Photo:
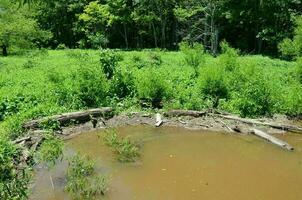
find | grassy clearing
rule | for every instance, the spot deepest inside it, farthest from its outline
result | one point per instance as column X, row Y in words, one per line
column 41, row 83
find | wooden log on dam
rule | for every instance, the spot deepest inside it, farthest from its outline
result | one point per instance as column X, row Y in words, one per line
column 283, row 127
column 179, row 113
column 272, row 139
column 65, row 118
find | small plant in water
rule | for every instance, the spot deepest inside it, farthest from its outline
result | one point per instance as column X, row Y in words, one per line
column 51, row 150
column 124, row 148
column 82, row 181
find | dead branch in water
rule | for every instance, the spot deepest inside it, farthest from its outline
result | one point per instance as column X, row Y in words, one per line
column 81, row 116
column 272, row 139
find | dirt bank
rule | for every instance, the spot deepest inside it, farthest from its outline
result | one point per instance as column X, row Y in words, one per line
column 206, row 122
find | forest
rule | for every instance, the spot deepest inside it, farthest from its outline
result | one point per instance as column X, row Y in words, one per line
column 242, row 57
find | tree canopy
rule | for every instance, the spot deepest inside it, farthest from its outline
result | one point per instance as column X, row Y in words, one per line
column 251, row 26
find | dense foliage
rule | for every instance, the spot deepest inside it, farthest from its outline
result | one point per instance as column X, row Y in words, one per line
column 251, row 26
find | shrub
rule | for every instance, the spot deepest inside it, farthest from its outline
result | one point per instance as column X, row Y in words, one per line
column 255, row 98
column 291, row 48
column 125, row 150
column 122, row 84
column 138, row 62
column 30, row 63
column 109, row 60
column 293, row 101
column 193, row 54
column 90, row 86
column 229, row 57
column 152, row 86
column 155, row 59
column 299, row 70
column 82, row 182
column 212, row 85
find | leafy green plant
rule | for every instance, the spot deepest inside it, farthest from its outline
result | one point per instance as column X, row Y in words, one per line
column 212, row 85
column 292, row 48
column 193, row 55
column 82, row 181
column 109, row 60
column 229, row 57
column 122, row 83
column 13, row 181
column 125, row 150
column 90, row 86
column 30, row 63
column 50, row 150
column 152, row 86
column 50, row 124
column 155, row 59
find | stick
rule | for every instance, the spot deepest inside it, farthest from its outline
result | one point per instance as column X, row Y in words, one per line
column 158, row 120
column 225, row 125
column 52, row 185
column 272, row 139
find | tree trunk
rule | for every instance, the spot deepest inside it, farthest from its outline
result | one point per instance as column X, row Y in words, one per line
column 126, row 35
column 154, row 35
column 4, row 50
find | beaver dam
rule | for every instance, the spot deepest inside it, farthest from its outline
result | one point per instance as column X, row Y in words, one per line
column 178, row 163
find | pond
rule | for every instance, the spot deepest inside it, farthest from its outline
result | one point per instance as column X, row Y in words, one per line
column 178, row 164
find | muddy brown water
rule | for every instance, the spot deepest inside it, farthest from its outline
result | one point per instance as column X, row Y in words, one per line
column 179, row 164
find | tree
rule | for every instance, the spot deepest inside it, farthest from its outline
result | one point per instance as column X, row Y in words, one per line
column 17, row 28
column 200, row 22
column 94, row 22
column 290, row 48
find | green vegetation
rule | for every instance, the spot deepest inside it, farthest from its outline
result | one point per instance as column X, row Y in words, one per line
column 82, row 180
column 13, row 179
column 50, row 150
column 48, row 66
column 125, row 150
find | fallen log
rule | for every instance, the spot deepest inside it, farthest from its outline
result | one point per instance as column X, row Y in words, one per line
column 272, row 139
column 158, row 120
column 66, row 118
column 178, row 113
column 255, row 122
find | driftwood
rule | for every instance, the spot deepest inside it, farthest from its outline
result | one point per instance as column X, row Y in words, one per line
column 82, row 116
column 255, row 122
column 226, row 126
column 272, row 139
column 192, row 113
column 158, row 120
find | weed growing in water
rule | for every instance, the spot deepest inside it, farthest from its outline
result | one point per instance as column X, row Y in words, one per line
column 124, row 148
column 50, row 150
column 82, row 182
